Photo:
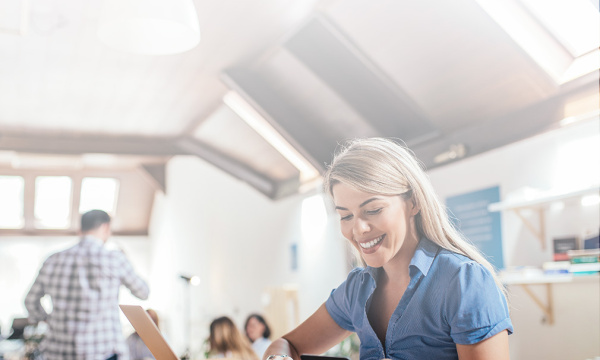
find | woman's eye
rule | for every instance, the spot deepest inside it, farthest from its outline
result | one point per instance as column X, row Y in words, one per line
column 347, row 217
column 374, row 212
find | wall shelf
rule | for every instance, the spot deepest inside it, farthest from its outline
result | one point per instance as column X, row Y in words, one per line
column 539, row 205
column 547, row 306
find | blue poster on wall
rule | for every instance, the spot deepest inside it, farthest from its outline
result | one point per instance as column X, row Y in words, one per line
column 483, row 228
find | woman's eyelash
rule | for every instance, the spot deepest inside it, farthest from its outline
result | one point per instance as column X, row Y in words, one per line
column 370, row 212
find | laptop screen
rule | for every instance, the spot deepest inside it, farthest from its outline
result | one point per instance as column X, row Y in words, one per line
column 148, row 332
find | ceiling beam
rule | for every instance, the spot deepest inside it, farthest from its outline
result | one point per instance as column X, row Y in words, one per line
column 230, row 165
column 315, row 146
column 331, row 55
column 501, row 131
column 117, row 145
column 85, row 144
column 156, row 174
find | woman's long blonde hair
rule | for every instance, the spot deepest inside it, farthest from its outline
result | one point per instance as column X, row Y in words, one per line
column 382, row 166
column 226, row 338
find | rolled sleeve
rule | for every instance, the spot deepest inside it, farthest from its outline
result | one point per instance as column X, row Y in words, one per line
column 476, row 308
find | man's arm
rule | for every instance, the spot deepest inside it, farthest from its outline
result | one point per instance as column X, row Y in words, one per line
column 32, row 300
column 138, row 287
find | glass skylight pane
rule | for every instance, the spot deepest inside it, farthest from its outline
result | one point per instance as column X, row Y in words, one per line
column 575, row 23
column 99, row 193
column 11, row 202
column 52, row 207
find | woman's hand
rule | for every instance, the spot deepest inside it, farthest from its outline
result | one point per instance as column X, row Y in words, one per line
column 281, row 348
column 316, row 335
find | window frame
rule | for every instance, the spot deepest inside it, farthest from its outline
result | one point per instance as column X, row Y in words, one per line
column 29, row 176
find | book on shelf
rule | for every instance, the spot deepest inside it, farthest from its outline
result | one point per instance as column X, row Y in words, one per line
column 556, row 267
column 584, row 268
column 562, row 246
column 584, row 252
column 583, row 257
column 591, row 242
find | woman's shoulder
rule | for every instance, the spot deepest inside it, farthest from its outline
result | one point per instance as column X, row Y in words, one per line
column 262, row 340
column 451, row 263
column 360, row 275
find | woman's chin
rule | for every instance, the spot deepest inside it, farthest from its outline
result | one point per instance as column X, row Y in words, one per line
column 374, row 261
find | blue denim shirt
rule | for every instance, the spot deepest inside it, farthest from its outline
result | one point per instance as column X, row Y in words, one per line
column 450, row 300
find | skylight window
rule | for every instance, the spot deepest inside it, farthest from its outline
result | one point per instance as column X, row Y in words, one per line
column 11, row 202
column 574, row 23
column 52, row 207
column 562, row 36
column 99, row 193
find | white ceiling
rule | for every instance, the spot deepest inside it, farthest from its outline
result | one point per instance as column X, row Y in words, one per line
column 454, row 71
column 60, row 77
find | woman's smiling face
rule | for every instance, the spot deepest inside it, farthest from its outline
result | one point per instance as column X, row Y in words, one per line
column 377, row 225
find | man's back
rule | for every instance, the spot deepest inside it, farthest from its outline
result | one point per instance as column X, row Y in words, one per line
column 83, row 283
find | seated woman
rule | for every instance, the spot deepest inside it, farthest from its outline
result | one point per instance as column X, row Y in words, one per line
column 226, row 341
column 424, row 291
column 258, row 332
column 137, row 349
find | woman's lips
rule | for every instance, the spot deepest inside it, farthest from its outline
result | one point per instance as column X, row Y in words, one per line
column 369, row 247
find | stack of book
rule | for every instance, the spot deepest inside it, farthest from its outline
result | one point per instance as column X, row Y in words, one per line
column 584, row 262
column 556, row 267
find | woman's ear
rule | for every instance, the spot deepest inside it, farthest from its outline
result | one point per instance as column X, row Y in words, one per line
column 414, row 210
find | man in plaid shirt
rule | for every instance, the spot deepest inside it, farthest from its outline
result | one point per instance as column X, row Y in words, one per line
column 83, row 283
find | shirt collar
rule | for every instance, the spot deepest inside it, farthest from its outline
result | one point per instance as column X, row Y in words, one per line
column 424, row 255
column 92, row 240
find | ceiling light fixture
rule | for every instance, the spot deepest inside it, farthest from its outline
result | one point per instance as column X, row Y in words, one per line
column 456, row 151
column 257, row 122
column 149, row 27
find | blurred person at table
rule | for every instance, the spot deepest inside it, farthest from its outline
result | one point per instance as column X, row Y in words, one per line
column 258, row 332
column 424, row 291
column 226, row 341
column 83, row 283
column 137, row 349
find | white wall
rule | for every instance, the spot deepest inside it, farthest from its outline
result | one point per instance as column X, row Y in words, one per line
column 238, row 241
column 567, row 158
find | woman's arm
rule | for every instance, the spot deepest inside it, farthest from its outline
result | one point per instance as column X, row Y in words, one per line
column 314, row 336
column 494, row 348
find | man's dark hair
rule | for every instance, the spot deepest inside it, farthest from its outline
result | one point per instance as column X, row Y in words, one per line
column 92, row 220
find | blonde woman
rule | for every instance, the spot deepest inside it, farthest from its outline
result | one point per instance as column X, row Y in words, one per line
column 424, row 292
column 226, row 341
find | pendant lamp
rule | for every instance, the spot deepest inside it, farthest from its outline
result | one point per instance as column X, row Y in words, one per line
column 149, row 27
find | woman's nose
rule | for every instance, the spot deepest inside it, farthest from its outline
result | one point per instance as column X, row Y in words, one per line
column 361, row 226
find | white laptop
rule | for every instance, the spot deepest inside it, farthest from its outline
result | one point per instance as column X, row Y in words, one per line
column 148, row 332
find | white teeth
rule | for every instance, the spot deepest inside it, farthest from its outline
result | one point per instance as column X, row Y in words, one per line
column 371, row 243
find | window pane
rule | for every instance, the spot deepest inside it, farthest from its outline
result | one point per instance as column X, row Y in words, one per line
column 11, row 202
column 52, row 202
column 99, row 193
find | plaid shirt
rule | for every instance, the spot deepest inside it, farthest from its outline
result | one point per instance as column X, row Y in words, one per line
column 83, row 283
